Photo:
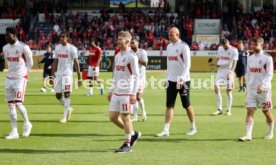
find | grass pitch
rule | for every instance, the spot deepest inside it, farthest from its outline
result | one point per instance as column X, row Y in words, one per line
column 89, row 138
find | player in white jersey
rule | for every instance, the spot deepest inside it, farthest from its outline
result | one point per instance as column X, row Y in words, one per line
column 20, row 61
column 259, row 77
column 143, row 61
column 226, row 62
column 123, row 91
column 65, row 57
column 178, row 81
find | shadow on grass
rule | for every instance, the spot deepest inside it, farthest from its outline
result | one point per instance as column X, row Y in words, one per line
column 56, row 121
column 73, row 135
column 47, row 151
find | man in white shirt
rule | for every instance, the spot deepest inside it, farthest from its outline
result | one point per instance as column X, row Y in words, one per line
column 178, row 81
column 65, row 57
column 227, row 61
column 124, row 90
column 19, row 58
column 259, row 77
column 143, row 61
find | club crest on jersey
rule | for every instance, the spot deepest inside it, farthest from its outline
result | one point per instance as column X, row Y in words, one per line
column 260, row 62
column 176, row 50
column 16, row 52
column 124, row 60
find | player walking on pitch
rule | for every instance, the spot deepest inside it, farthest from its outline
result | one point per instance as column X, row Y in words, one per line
column 227, row 61
column 259, row 77
column 64, row 57
column 123, row 91
column 178, row 81
column 20, row 61
column 143, row 61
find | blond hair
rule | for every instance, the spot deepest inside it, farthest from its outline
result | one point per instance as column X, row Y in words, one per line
column 258, row 39
column 125, row 35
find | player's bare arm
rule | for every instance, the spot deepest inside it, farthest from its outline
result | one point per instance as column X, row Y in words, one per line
column 77, row 67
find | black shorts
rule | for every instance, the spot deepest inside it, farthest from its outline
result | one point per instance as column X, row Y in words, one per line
column 172, row 94
column 240, row 71
column 47, row 72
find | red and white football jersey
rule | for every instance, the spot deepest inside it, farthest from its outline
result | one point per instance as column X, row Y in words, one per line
column 142, row 55
column 20, row 59
column 259, row 71
column 95, row 54
column 178, row 61
column 125, row 74
column 65, row 55
column 226, row 57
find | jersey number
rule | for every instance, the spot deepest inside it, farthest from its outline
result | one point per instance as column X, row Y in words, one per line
column 125, row 107
column 18, row 95
column 266, row 105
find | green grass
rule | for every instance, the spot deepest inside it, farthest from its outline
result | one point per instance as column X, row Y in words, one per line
column 89, row 138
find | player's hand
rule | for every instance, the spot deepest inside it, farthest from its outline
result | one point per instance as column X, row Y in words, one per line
column 260, row 89
column 109, row 96
column 132, row 99
column 79, row 82
column 51, row 80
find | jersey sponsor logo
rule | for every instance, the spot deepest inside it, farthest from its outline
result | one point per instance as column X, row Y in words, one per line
column 225, row 58
column 172, row 58
column 120, row 68
column 13, row 59
column 62, row 55
column 255, row 70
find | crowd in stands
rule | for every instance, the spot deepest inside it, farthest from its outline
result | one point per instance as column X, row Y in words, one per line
column 148, row 26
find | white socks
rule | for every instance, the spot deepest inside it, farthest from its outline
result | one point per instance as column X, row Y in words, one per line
column 219, row 101
column 135, row 110
column 13, row 116
column 142, row 105
column 61, row 101
column 229, row 101
column 249, row 128
column 23, row 112
column 67, row 103
column 167, row 127
column 128, row 138
column 192, row 125
column 270, row 128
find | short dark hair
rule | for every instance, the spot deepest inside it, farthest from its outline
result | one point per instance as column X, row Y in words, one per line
column 224, row 41
column 64, row 33
column 11, row 30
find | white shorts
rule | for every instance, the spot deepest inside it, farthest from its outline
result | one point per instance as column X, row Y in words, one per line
column 63, row 84
column 119, row 104
column 15, row 89
column 93, row 71
column 221, row 78
column 253, row 99
column 141, row 86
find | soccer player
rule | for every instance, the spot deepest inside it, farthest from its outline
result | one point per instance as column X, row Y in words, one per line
column 65, row 57
column 241, row 66
column 227, row 61
column 143, row 61
column 259, row 77
column 95, row 54
column 123, row 91
column 47, row 71
column 20, row 61
column 178, row 81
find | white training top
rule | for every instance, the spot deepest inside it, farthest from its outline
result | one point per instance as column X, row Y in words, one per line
column 20, row 59
column 259, row 71
column 178, row 61
column 226, row 57
column 126, row 73
column 142, row 55
column 65, row 55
